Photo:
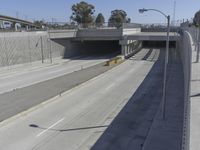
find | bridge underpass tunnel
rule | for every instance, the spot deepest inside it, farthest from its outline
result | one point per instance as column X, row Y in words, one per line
column 92, row 48
column 158, row 44
column 130, row 47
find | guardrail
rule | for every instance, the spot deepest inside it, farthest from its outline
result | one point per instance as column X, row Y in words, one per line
column 67, row 26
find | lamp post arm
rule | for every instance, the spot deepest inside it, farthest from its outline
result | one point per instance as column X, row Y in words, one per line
column 159, row 12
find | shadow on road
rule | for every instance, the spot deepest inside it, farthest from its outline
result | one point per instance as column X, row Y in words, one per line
column 131, row 127
column 65, row 130
column 148, row 54
column 195, row 95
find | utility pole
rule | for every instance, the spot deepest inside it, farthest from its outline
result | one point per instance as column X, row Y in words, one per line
column 166, row 59
column 17, row 14
column 174, row 14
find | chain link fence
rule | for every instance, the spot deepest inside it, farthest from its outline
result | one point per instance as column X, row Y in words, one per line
column 27, row 47
column 195, row 33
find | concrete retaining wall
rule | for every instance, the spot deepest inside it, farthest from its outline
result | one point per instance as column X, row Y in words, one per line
column 194, row 32
column 185, row 46
column 25, row 47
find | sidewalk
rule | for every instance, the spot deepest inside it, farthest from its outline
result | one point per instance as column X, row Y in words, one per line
column 21, row 68
column 195, row 104
column 167, row 134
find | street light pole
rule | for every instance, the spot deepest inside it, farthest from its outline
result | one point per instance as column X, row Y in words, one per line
column 166, row 58
column 165, row 69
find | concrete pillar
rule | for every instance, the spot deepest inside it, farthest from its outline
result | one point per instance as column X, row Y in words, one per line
column 27, row 27
column 131, row 47
column 126, row 50
column 14, row 26
column 123, row 50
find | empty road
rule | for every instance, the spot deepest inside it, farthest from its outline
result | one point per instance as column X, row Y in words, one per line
column 21, row 79
column 81, row 119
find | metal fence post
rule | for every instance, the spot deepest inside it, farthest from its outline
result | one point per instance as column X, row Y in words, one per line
column 198, row 46
column 50, row 50
column 29, row 46
column 42, row 50
column 6, row 50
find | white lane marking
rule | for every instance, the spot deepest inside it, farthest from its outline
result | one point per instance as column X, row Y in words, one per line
column 53, row 125
column 110, row 86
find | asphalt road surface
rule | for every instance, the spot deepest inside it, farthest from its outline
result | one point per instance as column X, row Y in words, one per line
column 22, row 79
column 114, row 111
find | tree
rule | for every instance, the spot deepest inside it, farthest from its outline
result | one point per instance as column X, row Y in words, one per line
column 100, row 20
column 117, row 18
column 40, row 23
column 196, row 20
column 82, row 13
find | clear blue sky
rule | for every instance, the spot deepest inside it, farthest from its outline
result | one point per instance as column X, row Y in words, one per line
column 61, row 9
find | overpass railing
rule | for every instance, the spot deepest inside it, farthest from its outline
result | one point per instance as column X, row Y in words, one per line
column 70, row 25
column 159, row 27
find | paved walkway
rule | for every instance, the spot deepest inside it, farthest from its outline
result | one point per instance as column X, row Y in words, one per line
column 195, row 104
column 20, row 68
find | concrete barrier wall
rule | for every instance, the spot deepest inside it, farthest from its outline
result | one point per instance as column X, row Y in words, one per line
column 57, row 34
column 131, row 31
column 99, row 33
column 25, row 47
column 194, row 32
column 185, row 47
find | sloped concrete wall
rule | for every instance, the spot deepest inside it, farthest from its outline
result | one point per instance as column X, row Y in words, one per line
column 185, row 47
column 25, row 47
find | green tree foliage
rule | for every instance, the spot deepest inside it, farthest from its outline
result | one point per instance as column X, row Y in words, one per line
column 196, row 20
column 100, row 20
column 82, row 13
column 39, row 23
column 117, row 18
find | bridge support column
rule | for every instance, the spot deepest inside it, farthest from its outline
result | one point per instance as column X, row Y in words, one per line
column 27, row 27
column 128, row 47
column 123, row 50
column 126, row 50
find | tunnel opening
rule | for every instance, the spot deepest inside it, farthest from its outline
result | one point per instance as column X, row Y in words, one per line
column 100, row 47
column 158, row 44
column 92, row 48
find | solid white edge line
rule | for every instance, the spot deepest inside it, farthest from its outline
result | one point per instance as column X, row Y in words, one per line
column 53, row 125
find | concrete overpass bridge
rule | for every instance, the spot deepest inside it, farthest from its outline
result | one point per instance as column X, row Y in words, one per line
column 128, row 40
column 15, row 21
column 127, row 75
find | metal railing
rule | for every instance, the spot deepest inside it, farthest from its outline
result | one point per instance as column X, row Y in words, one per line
column 70, row 25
